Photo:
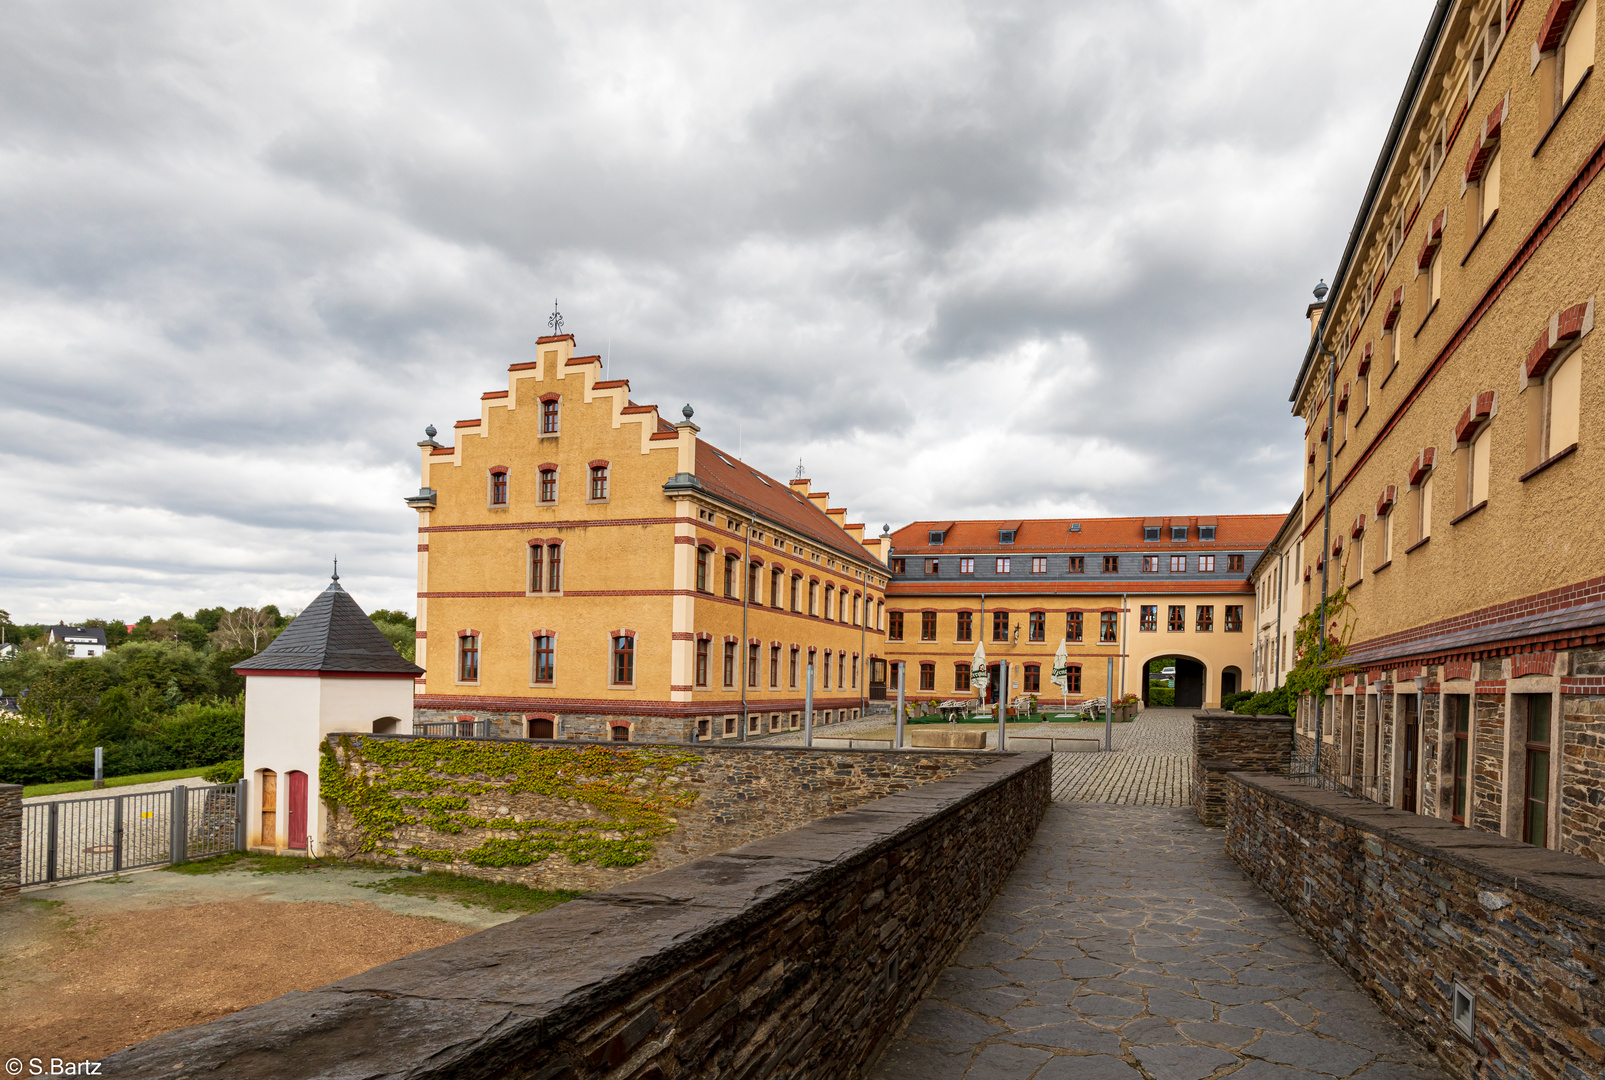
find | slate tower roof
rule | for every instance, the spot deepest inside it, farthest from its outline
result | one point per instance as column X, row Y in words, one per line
column 333, row 635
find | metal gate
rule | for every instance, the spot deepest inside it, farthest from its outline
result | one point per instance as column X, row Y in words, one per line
column 76, row 838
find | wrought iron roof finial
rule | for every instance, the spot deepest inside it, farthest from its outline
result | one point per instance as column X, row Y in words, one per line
column 336, row 576
column 555, row 322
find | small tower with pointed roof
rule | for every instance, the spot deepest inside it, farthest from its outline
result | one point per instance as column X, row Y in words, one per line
column 330, row 670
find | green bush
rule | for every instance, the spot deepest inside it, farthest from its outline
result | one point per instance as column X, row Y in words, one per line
column 1162, row 695
column 229, row 772
column 1231, row 701
column 1277, row 702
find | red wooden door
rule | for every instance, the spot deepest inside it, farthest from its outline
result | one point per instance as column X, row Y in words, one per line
column 298, row 810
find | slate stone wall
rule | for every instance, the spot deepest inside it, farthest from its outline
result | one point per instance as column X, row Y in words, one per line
column 10, row 842
column 1410, row 905
column 743, row 794
column 793, row 957
column 1582, row 793
column 1225, row 742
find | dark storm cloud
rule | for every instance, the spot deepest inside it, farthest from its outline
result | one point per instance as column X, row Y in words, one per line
column 960, row 259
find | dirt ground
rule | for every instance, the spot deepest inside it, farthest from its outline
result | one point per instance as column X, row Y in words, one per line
column 93, row 968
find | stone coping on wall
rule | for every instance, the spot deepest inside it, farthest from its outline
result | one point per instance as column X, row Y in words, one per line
column 1247, row 718
column 481, row 1005
column 1570, row 881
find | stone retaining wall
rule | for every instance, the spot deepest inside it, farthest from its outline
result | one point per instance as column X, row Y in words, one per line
column 10, row 842
column 793, row 957
column 743, row 793
column 1226, row 742
column 1411, row 906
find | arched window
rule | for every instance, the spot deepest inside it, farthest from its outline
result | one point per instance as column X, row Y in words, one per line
column 537, row 562
column 468, row 657
column 549, row 416
column 621, row 733
column 598, row 482
column 548, row 491
column 730, row 575
column 554, row 565
column 730, row 663
column 702, row 662
column 623, row 660
column 775, row 577
column 498, row 487
column 702, row 569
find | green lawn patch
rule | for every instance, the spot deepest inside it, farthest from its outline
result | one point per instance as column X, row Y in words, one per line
column 264, row 864
column 65, row 786
column 473, row 892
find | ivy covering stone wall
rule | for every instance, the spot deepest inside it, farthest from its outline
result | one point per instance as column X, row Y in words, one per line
column 588, row 815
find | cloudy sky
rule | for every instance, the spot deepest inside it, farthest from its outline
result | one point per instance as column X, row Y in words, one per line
column 960, row 259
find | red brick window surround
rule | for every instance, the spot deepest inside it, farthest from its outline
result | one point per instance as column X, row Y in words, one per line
column 549, row 404
column 468, row 656
column 498, row 486
column 599, row 481
column 1072, row 626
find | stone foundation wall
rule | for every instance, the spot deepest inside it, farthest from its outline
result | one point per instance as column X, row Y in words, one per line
column 1410, row 906
column 1225, row 742
column 794, row 957
column 10, row 842
column 742, row 794
column 598, row 727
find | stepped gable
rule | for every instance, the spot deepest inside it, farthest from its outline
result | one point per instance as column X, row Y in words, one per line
column 1096, row 534
column 735, row 481
column 332, row 636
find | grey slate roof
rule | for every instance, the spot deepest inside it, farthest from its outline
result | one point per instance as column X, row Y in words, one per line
column 333, row 635
column 80, row 635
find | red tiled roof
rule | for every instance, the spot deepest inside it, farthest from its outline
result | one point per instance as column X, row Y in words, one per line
column 734, row 481
column 1096, row 534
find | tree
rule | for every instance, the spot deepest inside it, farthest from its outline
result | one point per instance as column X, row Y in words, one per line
column 385, row 615
column 245, row 628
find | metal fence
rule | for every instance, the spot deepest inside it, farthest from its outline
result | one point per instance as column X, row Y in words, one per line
column 454, row 729
column 76, row 838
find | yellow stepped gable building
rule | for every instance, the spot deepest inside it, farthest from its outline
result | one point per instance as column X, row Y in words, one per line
column 1454, row 392
column 1145, row 592
column 587, row 569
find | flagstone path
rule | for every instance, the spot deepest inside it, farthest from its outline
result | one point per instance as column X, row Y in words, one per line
column 1127, row 946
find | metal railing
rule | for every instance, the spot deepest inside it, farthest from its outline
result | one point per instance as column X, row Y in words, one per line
column 77, row 838
column 1371, row 788
column 454, row 729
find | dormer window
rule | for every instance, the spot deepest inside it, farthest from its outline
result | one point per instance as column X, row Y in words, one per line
column 934, row 537
column 1178, row 534
column 1150, row 534
column 1005, row 536
column 1206, row 532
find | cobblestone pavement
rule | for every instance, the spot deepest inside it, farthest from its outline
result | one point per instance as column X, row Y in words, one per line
column 1127, row 946
column 1151, row 764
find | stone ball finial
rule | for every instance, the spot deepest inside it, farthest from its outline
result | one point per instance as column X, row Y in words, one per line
column 886, row 529
column 430, row 431
column 687, row 411
column 1321, row 290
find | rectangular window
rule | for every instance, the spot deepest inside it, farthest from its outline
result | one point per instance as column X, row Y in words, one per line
column 792, row 672
column 1206, row 564
column 1078, row 564
column 1178, row 564
column 730, row 663
column 1107, row 627
column 754, row 593
column 1234, row 618
column 1387, row 539
column 775, row 577
column 1576, row 54
column 702, row 569
column 1459, row 709
column 1206, row 618
column 1072, row 679
column 623, row 661
column 1206, row 532
column 752, row 664
column 933, row 566
column 1150, row 534
column 1072, row 626
column 774, row 667
column 730, row 576
column 966, row 626
column 1039, row 565
column 927, row 676
column 934, row 538
column 548, row 418
column 841, row 670
column 1234, row 564
column 1535, row 823
column 1423, row 506
column 548, row 485
column 813, row 598
column 899, row 566
column 1488, row 191
column 1562, row 404
column 1481, row 454
column 702, row 662
column 598, row 482
column 1003, row 566
column 796, row 594
column 824, row 672
column 1037, row 626
column 1148, row 618
column 927, row 626
column 544, row 667
column 894, row 626
column 1178, row 534
column 961, row 677
column 966, row 566
column 468, row 658
column 1000, row 626
column 498, row 488
column 1176, row 618
column 1032, row 683
column 536, row 551
column 554, row 568
column 1111, row 564
column 1150, row 564
column 1005, row 536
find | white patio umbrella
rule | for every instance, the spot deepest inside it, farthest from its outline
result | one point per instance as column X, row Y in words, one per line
column 1061, row 674
column 978, row 672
